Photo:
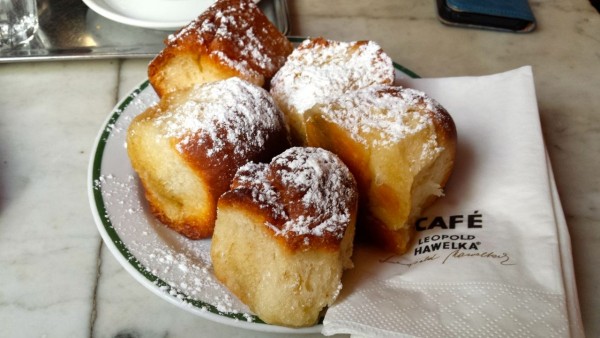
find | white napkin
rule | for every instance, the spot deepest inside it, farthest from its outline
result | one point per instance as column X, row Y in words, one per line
column 495, row 257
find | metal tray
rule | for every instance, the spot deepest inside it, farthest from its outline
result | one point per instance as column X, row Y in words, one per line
column 70, row 30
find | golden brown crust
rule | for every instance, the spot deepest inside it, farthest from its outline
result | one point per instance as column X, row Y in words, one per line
column 282, row 286
column 284, row 235
column 157, row 192
column 399, row 144
column 188, row 147
column 231, row 38
column 219, row 168
column 307, row 197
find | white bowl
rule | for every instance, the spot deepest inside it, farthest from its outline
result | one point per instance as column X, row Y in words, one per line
column 157, row 14
column 160, row 10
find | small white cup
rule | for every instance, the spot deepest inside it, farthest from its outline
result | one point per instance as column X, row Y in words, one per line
column 18, row 22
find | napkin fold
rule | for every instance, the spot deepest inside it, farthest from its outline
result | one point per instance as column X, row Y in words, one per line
column 492, row 257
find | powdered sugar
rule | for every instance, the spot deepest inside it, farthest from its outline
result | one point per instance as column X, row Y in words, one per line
column 228, row 32
column 179, row 267
column 255, row 176
column 310, row 191
column 176, row 268
column 229, row 113
column 384, row 115
column 319, row 70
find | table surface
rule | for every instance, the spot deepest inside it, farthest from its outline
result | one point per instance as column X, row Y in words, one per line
column 59, row 280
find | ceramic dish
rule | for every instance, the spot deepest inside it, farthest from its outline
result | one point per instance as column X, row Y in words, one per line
column 156, row 14
column 173, row 267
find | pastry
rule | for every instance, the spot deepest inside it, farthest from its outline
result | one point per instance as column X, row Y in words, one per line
column 231, row 38
column 319, row 70
column 187, row 148
column 400, row 145
column 284, row 234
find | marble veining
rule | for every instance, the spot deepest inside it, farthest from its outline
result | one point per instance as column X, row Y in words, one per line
column 59, row 280
column 46, row 242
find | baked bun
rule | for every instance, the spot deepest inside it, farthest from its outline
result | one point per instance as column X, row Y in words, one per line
column 187, row 148
column 319, row 70
column 399, row 144
column 231, row 38
column 284, row 235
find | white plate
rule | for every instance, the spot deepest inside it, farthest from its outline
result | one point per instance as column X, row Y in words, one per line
column 156, row 14
column 177, row 269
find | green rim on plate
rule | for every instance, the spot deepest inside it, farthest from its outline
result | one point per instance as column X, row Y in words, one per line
column 102, row 212
column 112, row 233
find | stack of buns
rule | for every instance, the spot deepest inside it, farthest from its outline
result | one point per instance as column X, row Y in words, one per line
column 280, row 179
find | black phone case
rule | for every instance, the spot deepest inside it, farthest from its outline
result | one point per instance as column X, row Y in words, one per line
column 507, row 15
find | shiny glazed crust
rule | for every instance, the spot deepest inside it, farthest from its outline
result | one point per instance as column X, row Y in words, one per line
column 274, row 248
column 231, row 38
column 186, row 158
column 399, row 144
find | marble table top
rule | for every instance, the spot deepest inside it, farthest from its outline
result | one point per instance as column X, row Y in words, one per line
column 58, row 278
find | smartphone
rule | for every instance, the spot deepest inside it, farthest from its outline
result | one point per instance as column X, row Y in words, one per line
column 509, row 15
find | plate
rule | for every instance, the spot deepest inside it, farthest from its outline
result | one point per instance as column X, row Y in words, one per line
column 156, row 14
column 173, row 267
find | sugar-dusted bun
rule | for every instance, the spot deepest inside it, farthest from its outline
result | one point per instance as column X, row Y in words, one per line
column 319, row 70
column 231, row 38
column 284, row 235
column 399, row 144
column 187, row 148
